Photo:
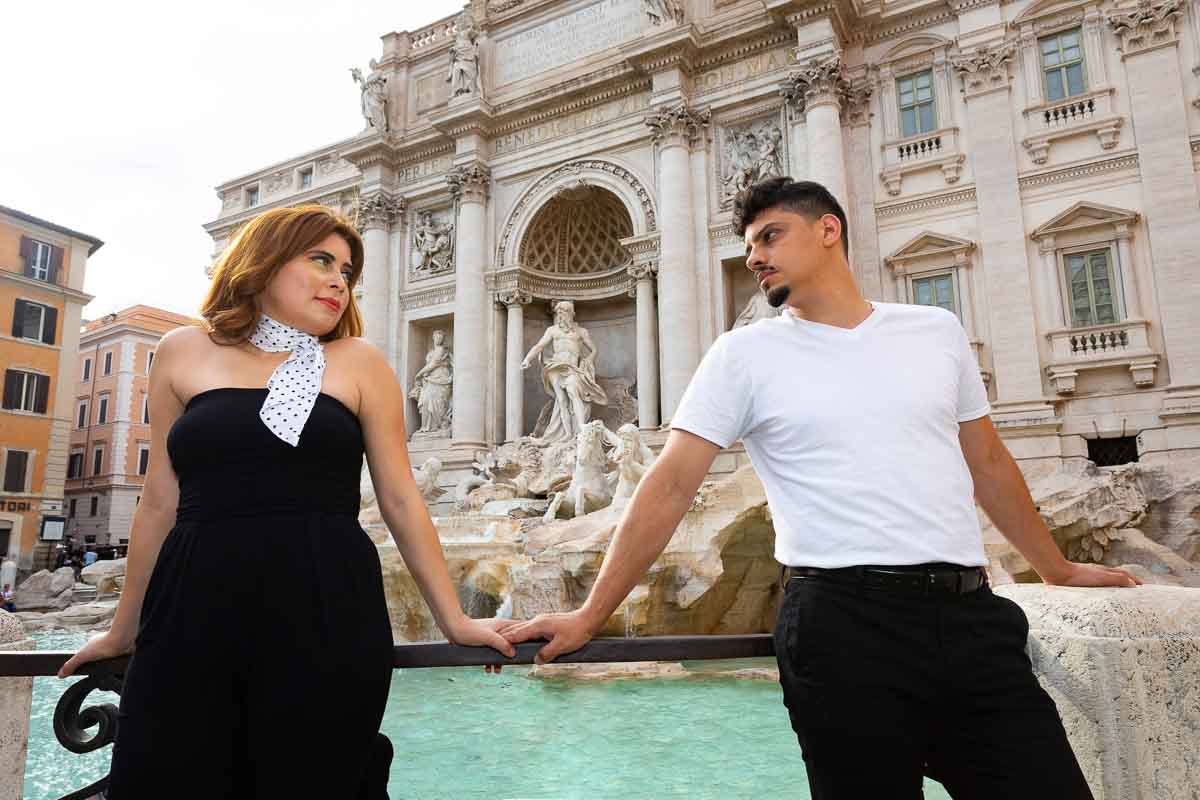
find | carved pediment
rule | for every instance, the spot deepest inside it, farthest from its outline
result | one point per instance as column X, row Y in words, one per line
column 1085, row 215
column 1050, row 8
column 930, row 246
column 915, row 45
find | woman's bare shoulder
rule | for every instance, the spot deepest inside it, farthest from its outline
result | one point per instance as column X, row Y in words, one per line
column 356, row 351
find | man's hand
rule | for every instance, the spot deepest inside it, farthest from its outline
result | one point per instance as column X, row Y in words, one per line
column 567, row 633
column 1092, row 575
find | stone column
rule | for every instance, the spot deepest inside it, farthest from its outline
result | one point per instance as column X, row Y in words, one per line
column 15, row 698
column 647, row 343
column 1053, row 312
column 1012, row 324
column 1150, row 43
column 469, row 185
column 1133, row 298
column 675, row 130
column 823, row 87
column 860, row 213
column 514, row 395
column 376, row 213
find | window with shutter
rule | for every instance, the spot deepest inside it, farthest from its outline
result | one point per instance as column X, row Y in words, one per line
column 97, row 460
column 26, row 391
column 81, row 415
column 31, row 321
column 108, row 363
column 87, row 370
column 95, row 503
column 37, row 266
column 75, row 465
column 102, row 410
column 14, row 471
column 143, row 460
column 1090, row 288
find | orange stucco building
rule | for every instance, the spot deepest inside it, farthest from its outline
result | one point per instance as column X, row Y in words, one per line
column 110, row 422
column 42, row 267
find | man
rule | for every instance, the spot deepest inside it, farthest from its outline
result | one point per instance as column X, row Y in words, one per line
column 867, row 423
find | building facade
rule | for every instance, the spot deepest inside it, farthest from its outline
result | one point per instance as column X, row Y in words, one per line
column 42, row 267
column 1031, row 166
column 110, row 423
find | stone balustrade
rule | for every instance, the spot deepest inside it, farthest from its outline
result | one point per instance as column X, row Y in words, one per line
column 1116, row 344
column 1090, row 112
column 936, row 149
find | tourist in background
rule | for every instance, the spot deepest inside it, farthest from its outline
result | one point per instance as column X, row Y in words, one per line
column 253, row 599
column 868, row 425
column 6, row 598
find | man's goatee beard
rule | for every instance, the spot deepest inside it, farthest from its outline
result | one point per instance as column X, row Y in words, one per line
column 777, row 295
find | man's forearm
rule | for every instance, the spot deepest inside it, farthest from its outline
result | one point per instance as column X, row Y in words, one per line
column 642, row 534
column 1001, row 490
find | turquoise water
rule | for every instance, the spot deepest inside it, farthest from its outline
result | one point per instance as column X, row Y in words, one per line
column 461, row 734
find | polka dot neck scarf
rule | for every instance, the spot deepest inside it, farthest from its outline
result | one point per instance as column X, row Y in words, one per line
column 295, row 384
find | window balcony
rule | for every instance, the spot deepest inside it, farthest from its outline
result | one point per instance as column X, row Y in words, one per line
column 1101, row 346
column 938, row 149
column 1090, row 112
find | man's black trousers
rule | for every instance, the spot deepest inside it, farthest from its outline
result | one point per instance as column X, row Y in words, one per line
column 885, row 685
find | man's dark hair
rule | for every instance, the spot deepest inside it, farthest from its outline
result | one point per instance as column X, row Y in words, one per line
column 801, row 197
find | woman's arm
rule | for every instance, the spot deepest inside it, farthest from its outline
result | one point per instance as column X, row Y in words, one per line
column 381, row 412
column 155, row 513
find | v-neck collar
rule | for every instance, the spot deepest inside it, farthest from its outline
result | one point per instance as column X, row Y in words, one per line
column 822, row 329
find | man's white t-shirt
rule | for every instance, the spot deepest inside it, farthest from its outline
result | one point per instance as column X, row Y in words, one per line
column 853, row 432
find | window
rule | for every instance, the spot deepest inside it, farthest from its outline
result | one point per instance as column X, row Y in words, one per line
column 95, row 504
column 87, row 370
column 1112, row 451
column 75, row 465
column 15, row 466
column 90, row 538
column 34, row 321
column 81, row 415
column 252, row 197
column 145, row 409
column 39, row 262
column 26, row 391
column 306, row 178
column 97, row 460
column 1089, row 286
column 1062, row 65
column 936, row 290
column 74, row 507
column 102, row 410
column 149, row 361
column 916, row 103
column 143, row 460
column 108, row 363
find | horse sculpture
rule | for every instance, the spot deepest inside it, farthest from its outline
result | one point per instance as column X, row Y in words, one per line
column 590, row 488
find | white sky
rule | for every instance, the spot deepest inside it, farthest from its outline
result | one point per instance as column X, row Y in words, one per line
column 120, row 117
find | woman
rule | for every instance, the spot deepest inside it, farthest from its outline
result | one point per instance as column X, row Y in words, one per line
column 263, row 647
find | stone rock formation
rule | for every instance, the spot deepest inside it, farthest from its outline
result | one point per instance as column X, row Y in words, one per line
column 103, row 575
column 45, row 589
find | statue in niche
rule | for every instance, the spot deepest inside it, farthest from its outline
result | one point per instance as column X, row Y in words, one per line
column 660, row 11
column 752, row 154
column 569, row 375
column 464, row 59
column 433, row 246
column 756, row 308
column 373, row 96
column 432, row 386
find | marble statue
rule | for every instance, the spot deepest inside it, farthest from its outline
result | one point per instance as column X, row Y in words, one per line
column 633, row 457
column 464, row 59
column 752, row 154
column 568, row 375
column 589, row 489
column 373, row 100
column 432, row 386
column 756, row 308
column 660, row 11
column 433, row 246
column 426, row 478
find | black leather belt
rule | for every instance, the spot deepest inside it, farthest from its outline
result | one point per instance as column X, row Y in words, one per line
column 921, row 578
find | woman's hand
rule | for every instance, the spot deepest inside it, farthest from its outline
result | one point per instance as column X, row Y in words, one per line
column 106, row 645
column 483, row 632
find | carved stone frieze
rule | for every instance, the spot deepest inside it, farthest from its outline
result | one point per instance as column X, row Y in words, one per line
column 1149, row 24
column 985, row 69
column 513, row 297
column 469, row 182
column 645, row 271
column 432, row 245
column 378, row 210
column 748, row 154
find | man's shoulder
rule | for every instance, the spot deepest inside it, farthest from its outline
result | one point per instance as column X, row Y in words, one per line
column 920, row 318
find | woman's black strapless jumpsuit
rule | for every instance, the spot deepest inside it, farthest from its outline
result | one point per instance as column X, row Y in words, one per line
column 264, row 653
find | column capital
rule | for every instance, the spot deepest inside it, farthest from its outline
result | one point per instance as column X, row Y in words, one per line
column 379, row 211
column 986, row 68
column 1149, row 24
column 821, row 81
column 469, row 182
column 679, row 125
column 513, row 297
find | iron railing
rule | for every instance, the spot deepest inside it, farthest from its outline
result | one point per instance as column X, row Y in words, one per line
column 72, row 721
